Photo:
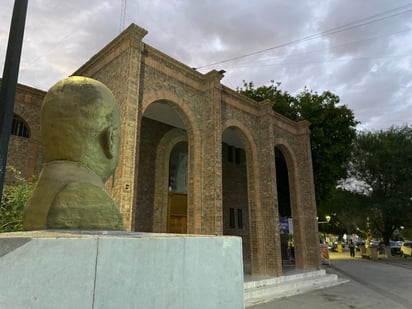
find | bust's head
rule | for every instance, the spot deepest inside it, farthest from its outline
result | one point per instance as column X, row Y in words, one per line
column 80, row 122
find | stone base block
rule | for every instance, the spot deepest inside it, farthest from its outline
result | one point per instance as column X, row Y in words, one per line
column 56, row 269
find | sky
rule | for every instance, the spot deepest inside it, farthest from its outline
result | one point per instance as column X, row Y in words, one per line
column 360, row 50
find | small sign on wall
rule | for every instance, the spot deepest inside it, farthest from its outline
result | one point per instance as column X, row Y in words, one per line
column 285, row 225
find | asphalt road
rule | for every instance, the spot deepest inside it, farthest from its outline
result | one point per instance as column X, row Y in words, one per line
column 373, row 284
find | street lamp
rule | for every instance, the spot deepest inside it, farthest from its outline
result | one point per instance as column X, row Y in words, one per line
column 327, row 217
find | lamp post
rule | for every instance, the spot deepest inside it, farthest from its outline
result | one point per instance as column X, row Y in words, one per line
column 9, row 82
column 327, row 217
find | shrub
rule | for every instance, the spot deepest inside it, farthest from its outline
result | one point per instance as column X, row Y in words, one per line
column 15, row 196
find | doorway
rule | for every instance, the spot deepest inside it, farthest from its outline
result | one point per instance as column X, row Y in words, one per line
column 177, row 213
column 285, row 212
column 177, row 197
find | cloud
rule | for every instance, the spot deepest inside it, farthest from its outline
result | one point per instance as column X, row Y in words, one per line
column 368, row 66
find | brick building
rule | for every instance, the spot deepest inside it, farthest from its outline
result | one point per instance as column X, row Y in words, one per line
column 196, row 157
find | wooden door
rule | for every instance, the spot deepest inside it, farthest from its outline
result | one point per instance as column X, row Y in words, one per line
column 177, row 213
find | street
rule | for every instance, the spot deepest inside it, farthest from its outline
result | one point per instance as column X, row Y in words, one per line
column 373, row 284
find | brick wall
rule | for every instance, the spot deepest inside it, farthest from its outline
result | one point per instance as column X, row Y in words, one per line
column 25, row 153
column 234, row 178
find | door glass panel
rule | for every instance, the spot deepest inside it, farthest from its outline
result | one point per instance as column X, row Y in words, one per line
column 178, row 169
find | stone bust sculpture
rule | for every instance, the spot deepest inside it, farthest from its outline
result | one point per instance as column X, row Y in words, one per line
column 80, row 132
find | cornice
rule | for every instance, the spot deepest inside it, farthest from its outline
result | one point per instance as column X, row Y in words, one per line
column 29, row 90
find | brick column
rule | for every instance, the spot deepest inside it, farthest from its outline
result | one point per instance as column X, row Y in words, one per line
column 119, row 67
column 308, row 242
column 267, row 192
column 131, row 117
column 211, row 185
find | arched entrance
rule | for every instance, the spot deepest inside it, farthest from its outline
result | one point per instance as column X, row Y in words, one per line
column 285, row 212
column 162, row 186
column 177, row 197
column 303, row 249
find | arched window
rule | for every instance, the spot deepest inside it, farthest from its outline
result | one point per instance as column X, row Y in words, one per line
column 19, row 127
column 178, row 169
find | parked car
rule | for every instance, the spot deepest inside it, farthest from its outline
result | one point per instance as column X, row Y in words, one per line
column 406, row 249
column 395, row 247
column 358, row 244
column 374, row 243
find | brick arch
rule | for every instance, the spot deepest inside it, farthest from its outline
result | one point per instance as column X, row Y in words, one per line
column 179, row 106
column 19, row 148
column 295, row 199
column 292, row 166
column 164, row 149
column 30, row 117
column 24, row 123
column 25, row 153
column 193, row 138
column 254, row 207
column 21, row 113
column 245, row 133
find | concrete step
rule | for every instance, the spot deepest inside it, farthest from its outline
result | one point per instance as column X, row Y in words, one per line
column 261, row 290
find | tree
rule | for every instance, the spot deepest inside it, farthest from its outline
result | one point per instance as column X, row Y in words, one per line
column 347, row 210
column 15, row 196
column 382, row 162
column 332, row 130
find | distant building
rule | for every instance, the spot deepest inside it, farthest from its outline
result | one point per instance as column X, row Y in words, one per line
column 196, row 157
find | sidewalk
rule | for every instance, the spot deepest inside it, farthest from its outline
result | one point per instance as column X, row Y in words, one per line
column 370, row 284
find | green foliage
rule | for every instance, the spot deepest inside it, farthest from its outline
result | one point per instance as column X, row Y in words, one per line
column 332, row 130
column 14, row 198
column 382, row 161
column 348, row 210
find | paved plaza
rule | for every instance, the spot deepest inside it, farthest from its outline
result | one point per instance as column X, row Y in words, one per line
column 372, row 284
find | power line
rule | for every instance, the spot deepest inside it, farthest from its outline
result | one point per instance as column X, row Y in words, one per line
column 265, row 61
column 361, row 22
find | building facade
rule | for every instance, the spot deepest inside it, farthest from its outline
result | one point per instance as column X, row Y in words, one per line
column 196, row 157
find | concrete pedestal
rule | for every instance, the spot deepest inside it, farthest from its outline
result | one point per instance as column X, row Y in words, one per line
column 55, row 269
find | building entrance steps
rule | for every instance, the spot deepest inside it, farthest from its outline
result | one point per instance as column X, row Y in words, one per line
column 264, row 289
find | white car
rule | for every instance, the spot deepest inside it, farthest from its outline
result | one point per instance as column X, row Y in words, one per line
column 406, row 249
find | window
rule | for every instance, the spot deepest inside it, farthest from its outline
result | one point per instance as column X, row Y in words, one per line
column 178, row 169
column 234, row 154
column 239, row 219
column 233, row 215
column 19, row 127
column 237, row 155
column 231, row 153
column 232, row 218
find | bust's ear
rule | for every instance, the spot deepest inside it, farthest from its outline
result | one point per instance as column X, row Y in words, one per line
column 107, row 142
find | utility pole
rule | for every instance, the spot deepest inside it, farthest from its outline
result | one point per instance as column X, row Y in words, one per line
column 9, row 82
